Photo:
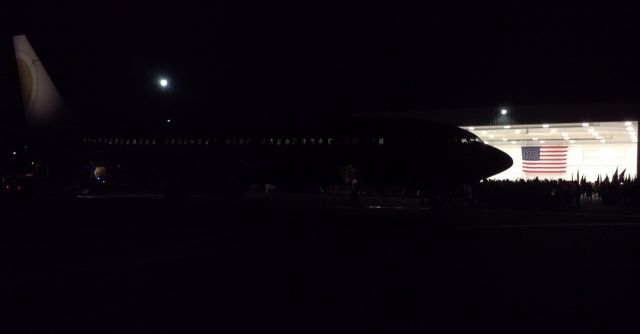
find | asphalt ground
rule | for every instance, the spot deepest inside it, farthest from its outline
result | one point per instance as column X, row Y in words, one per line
column 135, row 263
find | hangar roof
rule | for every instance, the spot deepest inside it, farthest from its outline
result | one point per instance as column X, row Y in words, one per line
column 623, row 132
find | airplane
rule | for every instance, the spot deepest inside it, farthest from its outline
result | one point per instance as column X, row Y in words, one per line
column 293, row 152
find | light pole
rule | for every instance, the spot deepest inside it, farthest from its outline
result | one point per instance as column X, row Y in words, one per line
column 504, row 118
column 164, row 85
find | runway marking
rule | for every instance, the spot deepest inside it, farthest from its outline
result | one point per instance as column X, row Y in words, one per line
column 119, row 196
column 377, row 207
column 303, row 200
column 514, row 226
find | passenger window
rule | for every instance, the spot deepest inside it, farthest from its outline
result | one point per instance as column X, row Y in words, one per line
column 312, row 141
column 320, row 140
column 304, row 141
column 329, row 141
column 286, row 141
column 380, row 141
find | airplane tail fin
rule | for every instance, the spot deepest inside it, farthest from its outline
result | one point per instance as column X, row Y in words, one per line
column 42, row 102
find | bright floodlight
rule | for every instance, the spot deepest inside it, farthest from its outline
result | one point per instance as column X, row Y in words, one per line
column 507, row 126
column 585, row 124
column 545, row 125
column 627, row 123
column 168, row 120
column 504, row 111
column 471, row 128
column 163, row 82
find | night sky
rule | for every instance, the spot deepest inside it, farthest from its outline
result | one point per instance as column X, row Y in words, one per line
column 304, row 56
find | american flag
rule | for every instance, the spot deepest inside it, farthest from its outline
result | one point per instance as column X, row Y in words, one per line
column 544, row 159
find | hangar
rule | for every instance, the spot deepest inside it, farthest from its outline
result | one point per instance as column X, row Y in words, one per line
column 565, row 150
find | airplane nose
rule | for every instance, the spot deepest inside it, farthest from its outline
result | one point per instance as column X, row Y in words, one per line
column 500, row 161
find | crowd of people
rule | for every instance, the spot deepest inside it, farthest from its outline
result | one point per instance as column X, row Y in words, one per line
column 538, row 193
column 520, row 194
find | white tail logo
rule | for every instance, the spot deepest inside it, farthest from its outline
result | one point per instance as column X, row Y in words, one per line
column 42, row 103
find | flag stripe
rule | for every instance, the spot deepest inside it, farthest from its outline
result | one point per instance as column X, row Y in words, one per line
column 545, row 172
column 544, row 163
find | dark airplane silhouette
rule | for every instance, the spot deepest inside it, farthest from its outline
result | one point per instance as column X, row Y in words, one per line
column 294, row 152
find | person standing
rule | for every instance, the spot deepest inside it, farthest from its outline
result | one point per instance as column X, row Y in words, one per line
column 354, row 191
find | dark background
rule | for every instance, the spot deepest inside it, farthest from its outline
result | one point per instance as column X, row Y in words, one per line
column 269, row 56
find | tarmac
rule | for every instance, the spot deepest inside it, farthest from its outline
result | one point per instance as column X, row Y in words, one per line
column 277, row 263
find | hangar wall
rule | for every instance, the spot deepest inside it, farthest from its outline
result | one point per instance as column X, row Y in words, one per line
column 590, row 160
column 561, row 150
